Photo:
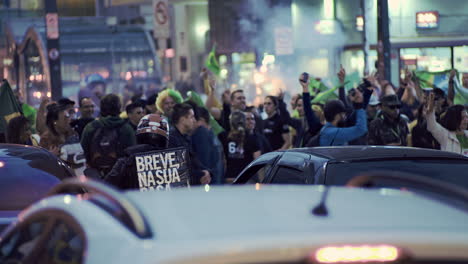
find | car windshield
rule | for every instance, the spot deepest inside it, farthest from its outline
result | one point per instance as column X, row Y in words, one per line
column 450, row 171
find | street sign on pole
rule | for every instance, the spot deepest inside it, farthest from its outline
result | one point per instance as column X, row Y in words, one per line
column 53, row 48
column 284, row 41
column 161, row 19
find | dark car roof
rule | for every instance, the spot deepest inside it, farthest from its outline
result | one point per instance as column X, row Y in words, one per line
column 27, row 173
column 343, row 153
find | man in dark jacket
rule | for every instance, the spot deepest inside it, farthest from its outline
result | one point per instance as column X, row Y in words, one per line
column 152, row 134
column 207, row 146
column 183, row 121
column 389, row 128
column 103, row 151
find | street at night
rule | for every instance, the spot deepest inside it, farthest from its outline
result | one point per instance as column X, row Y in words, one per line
column 233, row 131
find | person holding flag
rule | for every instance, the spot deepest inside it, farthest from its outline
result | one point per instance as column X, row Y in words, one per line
column 9, row 108
column 457, row 94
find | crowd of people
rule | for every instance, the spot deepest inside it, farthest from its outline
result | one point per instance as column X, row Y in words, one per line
column 223, row 135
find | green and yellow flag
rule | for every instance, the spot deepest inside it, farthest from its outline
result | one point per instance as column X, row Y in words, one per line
column 212, row 63
column 9, row 106
column 326, row 96
column 430, row 80
column 316, row 86
column 195, row 97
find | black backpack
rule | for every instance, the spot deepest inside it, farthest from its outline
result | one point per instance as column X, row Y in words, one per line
column 105, row 148
column 314, row 141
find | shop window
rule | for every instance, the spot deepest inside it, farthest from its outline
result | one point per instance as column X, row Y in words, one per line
column 426, row 59
column 460, row 59
column 353, row 61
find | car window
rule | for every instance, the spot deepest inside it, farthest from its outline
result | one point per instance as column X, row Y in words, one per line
column 65, row 244
column 288, row 175
column 258, row 173
column 450, row 171
column 21, row 243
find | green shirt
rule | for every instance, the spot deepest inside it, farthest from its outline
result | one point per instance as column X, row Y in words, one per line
column 463, row 144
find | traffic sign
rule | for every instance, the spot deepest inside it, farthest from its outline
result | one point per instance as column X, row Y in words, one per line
column 160, row 13
column 161, row 18
column 52, row 26
column 284, row 41
column 54, row 54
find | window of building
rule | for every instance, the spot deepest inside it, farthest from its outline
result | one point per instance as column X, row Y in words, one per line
column 426, row 59
column 460, row 59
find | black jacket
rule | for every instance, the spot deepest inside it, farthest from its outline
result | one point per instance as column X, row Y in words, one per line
column 384, row 130
column 123, row 175
column 177, row 139
column 305, row 127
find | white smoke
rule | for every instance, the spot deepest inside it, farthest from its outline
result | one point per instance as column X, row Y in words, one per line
column 314, row 52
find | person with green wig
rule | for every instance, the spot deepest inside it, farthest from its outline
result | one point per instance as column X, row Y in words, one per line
column 166, row 101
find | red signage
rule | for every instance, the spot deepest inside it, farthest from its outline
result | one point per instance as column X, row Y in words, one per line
column 52, row 26
column 427, row 19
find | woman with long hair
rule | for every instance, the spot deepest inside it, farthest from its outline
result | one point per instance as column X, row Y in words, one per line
column 60, row 138
column 452, row 133
column 240, row 147
column 19, row 132
column 275, row 129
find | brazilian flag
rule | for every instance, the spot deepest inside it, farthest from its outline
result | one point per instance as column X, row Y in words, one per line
column 316, row 86
column 9, row 106
column 430, row 80
column 212, row 63
column 325, row 96
column 195, row 97
column 321, row 92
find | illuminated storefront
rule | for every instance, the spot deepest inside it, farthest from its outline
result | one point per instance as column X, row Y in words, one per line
column 120, row 54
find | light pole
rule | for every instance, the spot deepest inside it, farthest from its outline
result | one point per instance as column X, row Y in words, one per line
column 53, row 48
column 383, row 40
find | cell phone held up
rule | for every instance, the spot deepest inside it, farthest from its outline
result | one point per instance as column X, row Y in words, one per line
column 304, row 77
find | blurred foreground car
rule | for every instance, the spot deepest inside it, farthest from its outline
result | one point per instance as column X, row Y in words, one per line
column 338, row 165
column 26, row 175
column 236, row 224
